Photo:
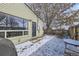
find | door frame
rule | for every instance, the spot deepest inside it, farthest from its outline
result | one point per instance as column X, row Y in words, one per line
column 33, row 29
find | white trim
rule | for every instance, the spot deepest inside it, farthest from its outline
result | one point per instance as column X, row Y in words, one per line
column 5, row 31
column 11, row 30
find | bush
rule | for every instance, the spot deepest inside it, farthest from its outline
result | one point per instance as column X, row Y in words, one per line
column 59, row 33
column 49, row 31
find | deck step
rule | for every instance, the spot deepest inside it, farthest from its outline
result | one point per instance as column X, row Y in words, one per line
column 71, row 53
column 36, row 40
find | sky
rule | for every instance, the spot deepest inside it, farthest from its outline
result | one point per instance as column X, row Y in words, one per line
column 76, row 6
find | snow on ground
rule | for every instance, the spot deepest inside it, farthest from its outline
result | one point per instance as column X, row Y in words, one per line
column 54, row 47
column 21, row 47
column 48, row 46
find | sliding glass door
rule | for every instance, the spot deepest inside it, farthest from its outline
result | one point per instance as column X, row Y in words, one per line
column 33, row 29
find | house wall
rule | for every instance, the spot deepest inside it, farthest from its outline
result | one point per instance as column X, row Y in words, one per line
column 39, row 27
column 18, row 9
column 21, row 10
column 77, row 32
column 74, row 32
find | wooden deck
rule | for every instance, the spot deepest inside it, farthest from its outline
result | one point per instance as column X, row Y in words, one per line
column 71, row 51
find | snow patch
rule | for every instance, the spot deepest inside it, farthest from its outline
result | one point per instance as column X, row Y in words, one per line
column 28, row 48
column 23, row 46
column 53, row 47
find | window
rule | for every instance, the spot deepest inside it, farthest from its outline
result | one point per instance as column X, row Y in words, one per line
column 25, row 32
column 14, row 33
column 2, row 34
column 8, row 22
column 11, row 25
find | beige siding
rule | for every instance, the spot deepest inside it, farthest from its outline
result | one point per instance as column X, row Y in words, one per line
column 40, row 24
column 18, row 9
column 21, row 10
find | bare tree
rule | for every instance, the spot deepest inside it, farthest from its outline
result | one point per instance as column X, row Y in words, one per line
column 71, row 17
column 50, row 11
